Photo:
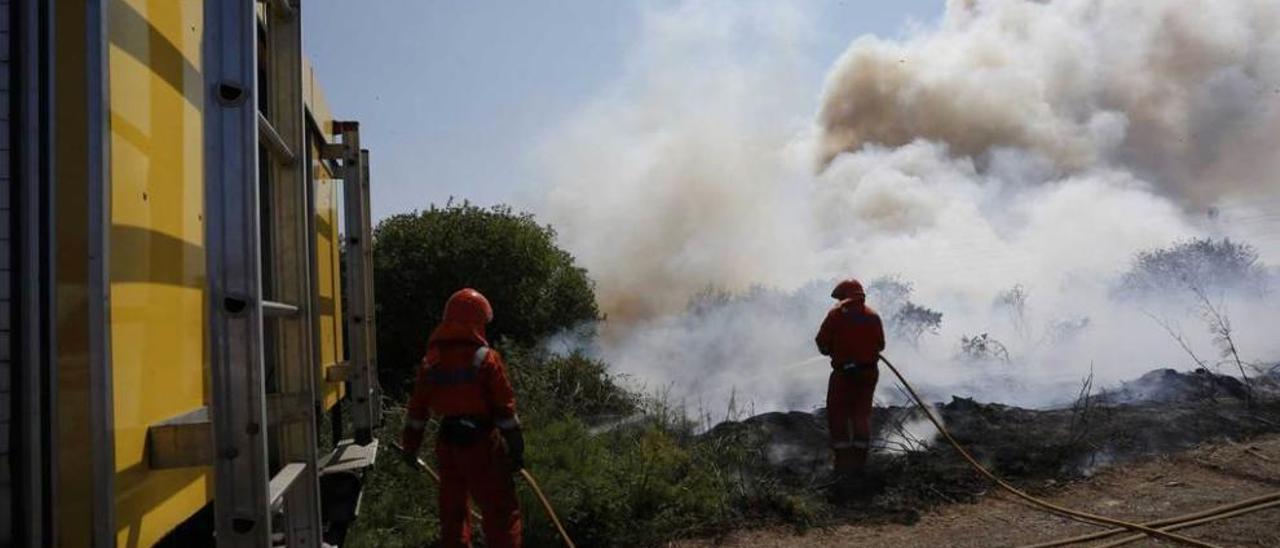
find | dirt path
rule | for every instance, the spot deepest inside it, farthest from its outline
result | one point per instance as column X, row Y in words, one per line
column 1202, row 478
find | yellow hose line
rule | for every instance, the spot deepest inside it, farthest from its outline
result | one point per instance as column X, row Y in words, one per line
column 424, row 467
column 1198, row 522
column 1026, row 497
column 528, row 478
column 546, row 505
column 1255, row 503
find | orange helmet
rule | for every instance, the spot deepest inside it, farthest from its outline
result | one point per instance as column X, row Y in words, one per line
column 848, row 289
column 468, row 306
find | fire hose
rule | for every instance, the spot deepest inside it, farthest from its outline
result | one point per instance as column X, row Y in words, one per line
column 546, row 505
column 528, row 478
column 1179, row 522
column 1040, row 503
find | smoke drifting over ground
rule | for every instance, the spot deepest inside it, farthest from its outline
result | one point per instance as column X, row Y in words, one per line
column 1011, row 144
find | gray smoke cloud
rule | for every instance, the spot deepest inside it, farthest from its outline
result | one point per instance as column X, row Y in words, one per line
column 1012, row 143
column 1186, row 94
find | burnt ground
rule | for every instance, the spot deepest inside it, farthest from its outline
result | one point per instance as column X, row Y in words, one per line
column 1103, row 444
column 1146, row 489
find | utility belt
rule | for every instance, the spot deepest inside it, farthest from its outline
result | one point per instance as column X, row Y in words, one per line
column 465, row 430
column 852, row 368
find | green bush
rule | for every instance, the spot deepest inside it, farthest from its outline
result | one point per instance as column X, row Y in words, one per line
column 553, row 387
column 421, row 258
column 1198, row 265
column 620, row 468
column 625, row 487
column 640, row 477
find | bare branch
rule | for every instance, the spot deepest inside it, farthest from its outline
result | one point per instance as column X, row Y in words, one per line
column 1176, row 334
column 1220, row 327
column 1080, row 409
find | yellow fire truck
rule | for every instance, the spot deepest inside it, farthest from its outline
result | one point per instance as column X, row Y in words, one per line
column 186, row 305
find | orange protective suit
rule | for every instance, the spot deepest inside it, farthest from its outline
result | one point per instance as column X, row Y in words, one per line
column 465, row 382
column 853, row 336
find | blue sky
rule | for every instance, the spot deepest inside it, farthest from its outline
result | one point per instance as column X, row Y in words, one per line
column 453, row 95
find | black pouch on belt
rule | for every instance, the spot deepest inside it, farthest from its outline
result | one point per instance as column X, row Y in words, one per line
column 463, row 430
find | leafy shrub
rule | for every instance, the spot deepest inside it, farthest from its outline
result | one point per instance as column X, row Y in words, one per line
column 633, row 486
column 1196, row 265
column 421, row 258
column 912, row 321
column 983, row 347
column 905, row 319
column 1014, row 302
column 708, row 300
column 552, row 387
column 889, row 293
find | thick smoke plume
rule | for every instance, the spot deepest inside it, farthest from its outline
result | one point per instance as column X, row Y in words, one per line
column 1182, row 93
column 1012, row 144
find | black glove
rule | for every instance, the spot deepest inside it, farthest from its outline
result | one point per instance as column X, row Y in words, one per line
column 514, row 439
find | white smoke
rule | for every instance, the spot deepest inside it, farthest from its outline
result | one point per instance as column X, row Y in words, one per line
column 1012, row 143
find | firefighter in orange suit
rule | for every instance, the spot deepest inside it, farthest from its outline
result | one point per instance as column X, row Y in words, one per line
column 464, row 383
column 853, row 336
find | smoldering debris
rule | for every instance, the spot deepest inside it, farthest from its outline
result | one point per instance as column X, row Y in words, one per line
column 1161, row 412
column 1170, row 386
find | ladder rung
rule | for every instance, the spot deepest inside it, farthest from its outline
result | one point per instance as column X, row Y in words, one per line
column 181, row 441
column 275, row 309
column 275, row 143
column 184, row 441
column 283, row 481
column 349, row 457
column 343, row 126
column 339, row 372
column 333, row 151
